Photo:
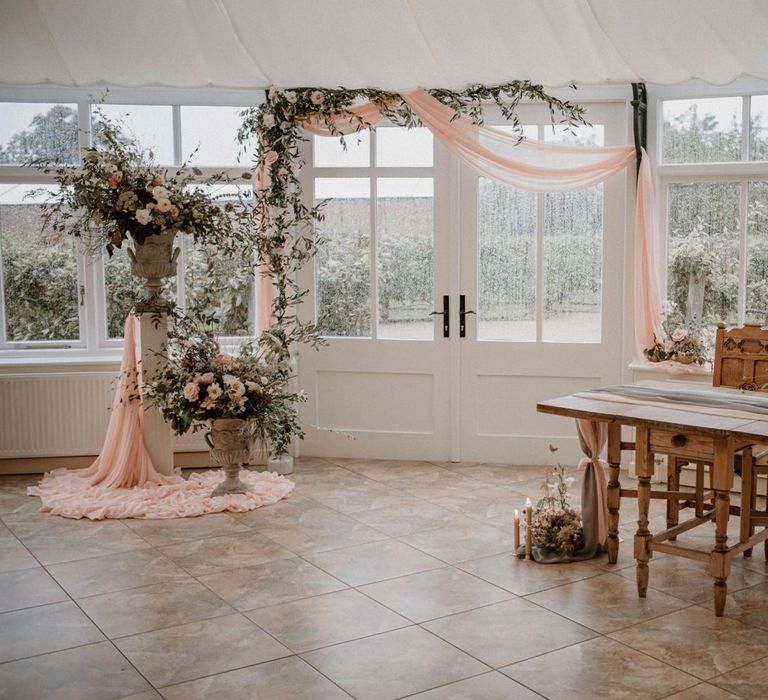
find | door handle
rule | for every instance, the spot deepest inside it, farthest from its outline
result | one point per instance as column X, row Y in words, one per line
column 463, row 316
column 446, row 314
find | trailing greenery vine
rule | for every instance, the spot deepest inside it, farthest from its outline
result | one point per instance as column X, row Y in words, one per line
column 281, row 222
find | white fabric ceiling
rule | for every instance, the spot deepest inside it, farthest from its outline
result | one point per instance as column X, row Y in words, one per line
column 390, row 44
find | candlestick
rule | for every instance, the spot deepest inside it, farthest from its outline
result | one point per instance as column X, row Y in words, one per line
column 517, row 531
column 528, row 534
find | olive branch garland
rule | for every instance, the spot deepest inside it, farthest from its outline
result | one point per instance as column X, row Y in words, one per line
column 280, row 224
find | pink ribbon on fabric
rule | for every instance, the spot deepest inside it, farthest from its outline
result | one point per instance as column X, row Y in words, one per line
column 594, row 436
column 536, row 166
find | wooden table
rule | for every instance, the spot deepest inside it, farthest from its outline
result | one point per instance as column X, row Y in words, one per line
column 683, row 432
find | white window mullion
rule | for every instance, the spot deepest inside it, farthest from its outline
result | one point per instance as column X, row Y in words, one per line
column 743, row 208
column 374, row 238
column 176, row 116
column 746, row 127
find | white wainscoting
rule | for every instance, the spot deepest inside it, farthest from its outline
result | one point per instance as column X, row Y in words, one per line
column 56, row 414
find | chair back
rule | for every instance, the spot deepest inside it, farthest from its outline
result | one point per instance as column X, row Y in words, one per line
column 741, row 357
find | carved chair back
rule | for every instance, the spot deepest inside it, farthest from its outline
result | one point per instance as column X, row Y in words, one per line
column 741, row 357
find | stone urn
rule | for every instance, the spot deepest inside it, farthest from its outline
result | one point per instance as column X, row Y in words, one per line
column 155, row 259
column 229, row 448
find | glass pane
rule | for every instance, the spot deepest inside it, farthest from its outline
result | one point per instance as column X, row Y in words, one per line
column 39, row 270
column 38, row 131
column 702, row 130
column 758, row 134
column 344, row 258
column 757, row 254
column 404, row 257
column 593, row 135
column 330, row 153
column 400, row 147
column 150, row 125
column 573, row 266
column 121, row 288
column 213, row 132
column 506, row 271
column 703, row 243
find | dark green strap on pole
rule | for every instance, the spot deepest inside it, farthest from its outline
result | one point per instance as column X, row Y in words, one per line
column 640, row 119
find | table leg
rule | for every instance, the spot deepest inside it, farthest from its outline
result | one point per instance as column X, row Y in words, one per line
column 722, row 482
column 614, row 490
column 644, row 466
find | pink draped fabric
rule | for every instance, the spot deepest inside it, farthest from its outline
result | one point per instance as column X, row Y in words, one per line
column 594, row 436
column 122, row 482
column 536, row 166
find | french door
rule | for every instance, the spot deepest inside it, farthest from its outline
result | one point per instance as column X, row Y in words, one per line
column 524, row 292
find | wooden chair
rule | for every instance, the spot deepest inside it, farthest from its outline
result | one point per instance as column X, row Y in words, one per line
column 741, row 362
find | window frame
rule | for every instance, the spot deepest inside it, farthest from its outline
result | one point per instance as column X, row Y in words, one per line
column 741, row 172
column 94, row 342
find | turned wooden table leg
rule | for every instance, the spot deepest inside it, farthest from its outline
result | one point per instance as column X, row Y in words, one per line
column 644, row 467
column 722, row 482
column 614, row 490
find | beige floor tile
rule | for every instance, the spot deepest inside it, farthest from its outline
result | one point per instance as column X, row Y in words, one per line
column 691, row 580
column 26, row 588
column 713, row 645
column 748, row 682
column 432, row 594
column 214, row 554
column 374, row 561
column 44, row 629
column 597, row 669
column 749, row 605
column 146, row 695
column 284, row 679
column 439, row 484
column 507, row 632
column 166, row 532
column 364, row 497
column 116, row 572
column 320, row 529
column 270, row 584
column 504, row 474
column 92, row 672
column 606, row 603
column 393, row 664
column 392, row 470
column 13, row 554
column 523, row 577
column 456, row 543
column 704, row 691
column 329, row 478
column 152, row 607
column 186, row 652
column 53, row 539
column 327, row 619
column 409, row 517
column 488, row 686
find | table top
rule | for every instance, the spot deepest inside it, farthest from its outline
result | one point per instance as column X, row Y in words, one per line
column 682, row 416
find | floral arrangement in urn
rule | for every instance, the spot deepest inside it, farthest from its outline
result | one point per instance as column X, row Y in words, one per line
column 555, row 524
column 119, row 192
column 680, row 340
column 201, row 383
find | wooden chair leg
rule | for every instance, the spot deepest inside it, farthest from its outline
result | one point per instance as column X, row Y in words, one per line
column 700, row 489
column 674, row 465
column 747, row 498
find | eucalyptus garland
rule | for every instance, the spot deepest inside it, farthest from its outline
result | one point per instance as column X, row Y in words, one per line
column 282, row 224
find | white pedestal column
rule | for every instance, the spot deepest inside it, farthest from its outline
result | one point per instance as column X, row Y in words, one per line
column 158, row 438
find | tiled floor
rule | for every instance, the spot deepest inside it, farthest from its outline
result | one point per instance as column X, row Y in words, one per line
column 375, row 580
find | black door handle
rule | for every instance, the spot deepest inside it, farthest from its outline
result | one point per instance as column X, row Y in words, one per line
column 463, row 316
column 446, row 314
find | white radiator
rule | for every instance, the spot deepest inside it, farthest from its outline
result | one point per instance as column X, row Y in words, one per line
column 60, row 414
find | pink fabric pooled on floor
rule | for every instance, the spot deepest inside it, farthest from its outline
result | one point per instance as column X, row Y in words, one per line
column 123, row 483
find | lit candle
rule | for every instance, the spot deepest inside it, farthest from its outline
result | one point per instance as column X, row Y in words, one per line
column 517, row 530
column 528, row 535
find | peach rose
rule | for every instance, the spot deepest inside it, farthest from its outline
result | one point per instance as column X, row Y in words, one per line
column 191, row 391
column 115, row 179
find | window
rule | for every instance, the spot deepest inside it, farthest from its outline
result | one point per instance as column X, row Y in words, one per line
column 375, row 270
column 714, row 182
column 540, row 255
column 54, row 296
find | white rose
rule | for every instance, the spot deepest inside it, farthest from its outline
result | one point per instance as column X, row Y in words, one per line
column 679, row 334
column 268, row 121
column 290, row 95
column 274, row 92
column 159, row 192
column 143, row 216
column 191, row 391
column 317, row 97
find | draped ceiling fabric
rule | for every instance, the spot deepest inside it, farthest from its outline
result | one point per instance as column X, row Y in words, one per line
column 387, row 44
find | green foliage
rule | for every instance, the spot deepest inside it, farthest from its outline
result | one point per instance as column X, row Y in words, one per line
column 52, row 137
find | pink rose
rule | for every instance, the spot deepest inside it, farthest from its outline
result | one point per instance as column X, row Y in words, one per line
column 191, row 391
